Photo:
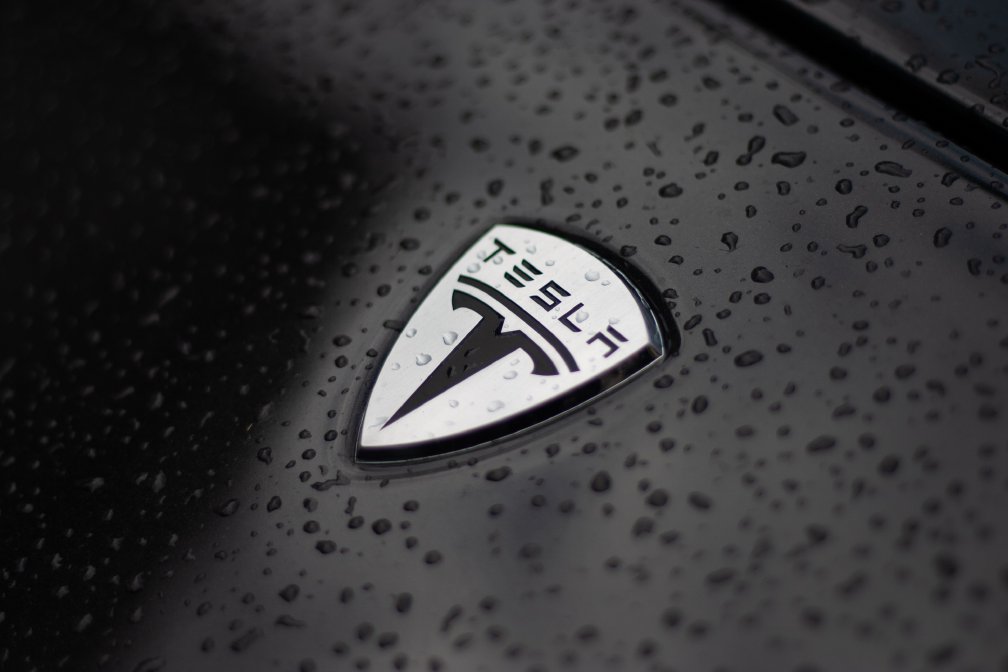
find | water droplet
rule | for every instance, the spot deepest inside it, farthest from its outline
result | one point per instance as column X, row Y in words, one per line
column 592, row 275
column 788, row 159
column 670, row 190
column 564, row 153
column 498, row 474
column 449, row 337
column 748, row 358
column 821, row 444
column 495, row 405
column 784, row 115
column 942, row 237
column 892, row 168
column 228, row 507
column 601, row 481
column 855, row 215
column 699, row 500
column 422, row 358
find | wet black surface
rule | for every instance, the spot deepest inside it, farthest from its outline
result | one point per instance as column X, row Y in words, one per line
column 942, row 62
column 956, row 48
column 214, row 218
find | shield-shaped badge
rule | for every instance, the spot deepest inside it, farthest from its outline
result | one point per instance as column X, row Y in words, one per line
column 526, row 325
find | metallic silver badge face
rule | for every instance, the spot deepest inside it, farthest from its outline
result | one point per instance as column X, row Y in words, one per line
column 524, row 326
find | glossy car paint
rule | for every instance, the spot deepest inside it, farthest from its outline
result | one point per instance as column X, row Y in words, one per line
column 956, row 48
column 215, row 217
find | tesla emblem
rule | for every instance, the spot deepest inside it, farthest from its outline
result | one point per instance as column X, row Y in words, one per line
column 524, row 326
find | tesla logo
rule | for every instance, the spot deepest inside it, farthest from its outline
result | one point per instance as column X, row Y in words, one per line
column 524, row 326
